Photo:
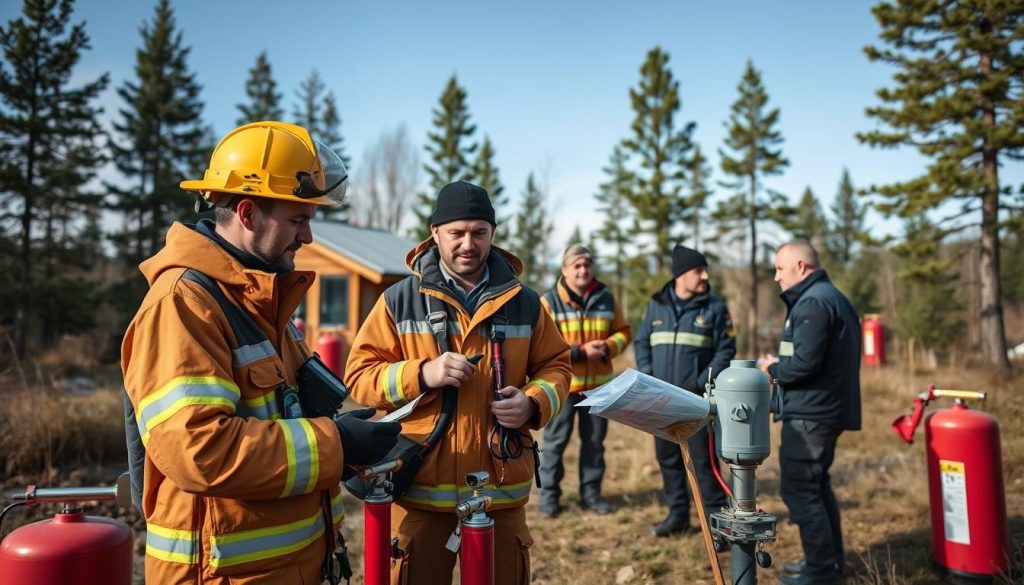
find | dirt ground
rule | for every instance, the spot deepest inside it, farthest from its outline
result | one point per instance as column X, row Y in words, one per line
column 880, row 483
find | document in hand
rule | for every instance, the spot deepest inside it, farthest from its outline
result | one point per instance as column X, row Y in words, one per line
column 648, row 404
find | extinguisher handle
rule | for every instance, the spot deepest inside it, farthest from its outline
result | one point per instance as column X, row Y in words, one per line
column 964, row 394
column 120, row 492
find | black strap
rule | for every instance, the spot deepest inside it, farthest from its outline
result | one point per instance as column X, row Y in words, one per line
column 437, row 318
column 245, row 329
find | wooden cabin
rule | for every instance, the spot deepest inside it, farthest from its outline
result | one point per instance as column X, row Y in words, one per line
column 354, row 265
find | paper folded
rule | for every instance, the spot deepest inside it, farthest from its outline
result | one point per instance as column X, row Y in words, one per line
column 648, row 404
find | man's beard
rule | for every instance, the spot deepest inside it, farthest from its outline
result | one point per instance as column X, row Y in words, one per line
column 462, row 269
column 280, row 263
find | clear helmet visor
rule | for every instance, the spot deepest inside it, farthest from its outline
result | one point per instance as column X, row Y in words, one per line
column 332, row 182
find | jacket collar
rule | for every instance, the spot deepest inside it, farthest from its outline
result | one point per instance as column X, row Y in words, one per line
column 569, row 296
column 793, row 294
column 667, row 296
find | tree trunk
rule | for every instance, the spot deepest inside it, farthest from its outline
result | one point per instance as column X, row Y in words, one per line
column 752, row 307
column 993, row 340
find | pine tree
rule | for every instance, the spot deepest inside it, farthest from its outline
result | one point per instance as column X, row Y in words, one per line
column 929, row 308
column 809, row 223
column 698, row 173
column 755, row 143
column 662, row 149
column 49, row 142
column 959, row 86
column 486, row 176
column 330, row 133
column 308, row 110
column 576, row 237
column 532, row 233
column 161, row 137
column 450, row 150
column 613, row 204
column 848, row 229
column 261, row 89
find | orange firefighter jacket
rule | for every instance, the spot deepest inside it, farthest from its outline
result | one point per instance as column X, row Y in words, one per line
column 231, row 488
column 395, row 341
column 598, row 317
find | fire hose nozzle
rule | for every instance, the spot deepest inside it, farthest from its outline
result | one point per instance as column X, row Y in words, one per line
column 371, row 471
column 471, row 506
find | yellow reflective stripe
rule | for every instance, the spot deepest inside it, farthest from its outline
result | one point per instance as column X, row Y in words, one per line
column 391, row 384
column 587, row 325
column 680, row 338
column 263, row 543
column 589, row 382
column 181, row 392
column 619, row 339
column 549, row 389
column 785, row 348
column 338, row 508
column 172, row 546
column 448, row 495
column 302, row 455
column 263, row 407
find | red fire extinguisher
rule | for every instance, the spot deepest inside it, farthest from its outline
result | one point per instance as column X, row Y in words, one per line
column 965, row 484
column 329, row 346
column 474, row 535
column 377, row 522
column 70, row 548
column 873, row 340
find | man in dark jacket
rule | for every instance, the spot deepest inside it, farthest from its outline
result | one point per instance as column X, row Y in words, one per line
column 686, row 337
column 818, row 367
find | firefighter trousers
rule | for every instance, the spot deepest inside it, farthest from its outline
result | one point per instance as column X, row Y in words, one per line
column 422, row 536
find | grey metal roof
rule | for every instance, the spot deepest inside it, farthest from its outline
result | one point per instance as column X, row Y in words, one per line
column 378, row 250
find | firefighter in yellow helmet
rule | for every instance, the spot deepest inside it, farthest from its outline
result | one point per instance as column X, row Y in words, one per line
column 239, row 482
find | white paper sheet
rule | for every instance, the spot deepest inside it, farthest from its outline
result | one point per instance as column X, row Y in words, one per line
column 648, row 404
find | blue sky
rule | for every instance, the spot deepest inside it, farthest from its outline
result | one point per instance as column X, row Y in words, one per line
column 548, row 81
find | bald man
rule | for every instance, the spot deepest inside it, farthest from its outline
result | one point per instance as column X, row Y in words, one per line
column 818, row 366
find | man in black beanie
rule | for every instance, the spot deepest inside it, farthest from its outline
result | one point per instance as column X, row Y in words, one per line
column 686, row 338
column 425, row 338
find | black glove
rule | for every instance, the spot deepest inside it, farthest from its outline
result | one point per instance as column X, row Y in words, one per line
column 365, row 442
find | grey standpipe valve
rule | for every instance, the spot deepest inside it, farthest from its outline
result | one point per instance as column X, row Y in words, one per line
column 472, row 511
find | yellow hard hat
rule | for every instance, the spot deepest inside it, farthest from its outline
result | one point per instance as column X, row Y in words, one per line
column 276, row 160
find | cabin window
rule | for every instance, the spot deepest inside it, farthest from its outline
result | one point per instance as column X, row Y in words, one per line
column 334, row 301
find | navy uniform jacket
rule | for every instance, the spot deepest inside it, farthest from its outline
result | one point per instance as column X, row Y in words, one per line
column 679, row 348
column 819, row 355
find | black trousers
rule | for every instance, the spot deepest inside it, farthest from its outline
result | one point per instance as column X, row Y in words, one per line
column 556, row 436
column 673, row 474
column 805, row 457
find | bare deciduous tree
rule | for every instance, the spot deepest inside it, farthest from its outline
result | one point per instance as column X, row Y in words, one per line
column 390, row 173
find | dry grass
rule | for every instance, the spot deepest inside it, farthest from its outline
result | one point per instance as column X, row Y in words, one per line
column 879, row 481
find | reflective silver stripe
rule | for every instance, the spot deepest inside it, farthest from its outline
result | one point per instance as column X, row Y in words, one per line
column 172, row 546
column 412, row 326
column 549, row 390
column 785, row 348
column 303, row 456
column 265, row 543
column 181, row 392
column 680, row 338
column 248, row 354
column 518, row 331
column 263, row 408
column 592, row 315
column 297, row 334
column 447, row 496
column 391, row 380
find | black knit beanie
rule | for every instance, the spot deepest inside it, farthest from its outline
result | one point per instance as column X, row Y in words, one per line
column 685, row 259
column 462, row 200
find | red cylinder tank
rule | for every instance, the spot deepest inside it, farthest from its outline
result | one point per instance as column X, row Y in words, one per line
column 330, row 348
column 68, row 549
column 965, row 485
column 873, row 340
column 476, row 555
column 377, row 540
